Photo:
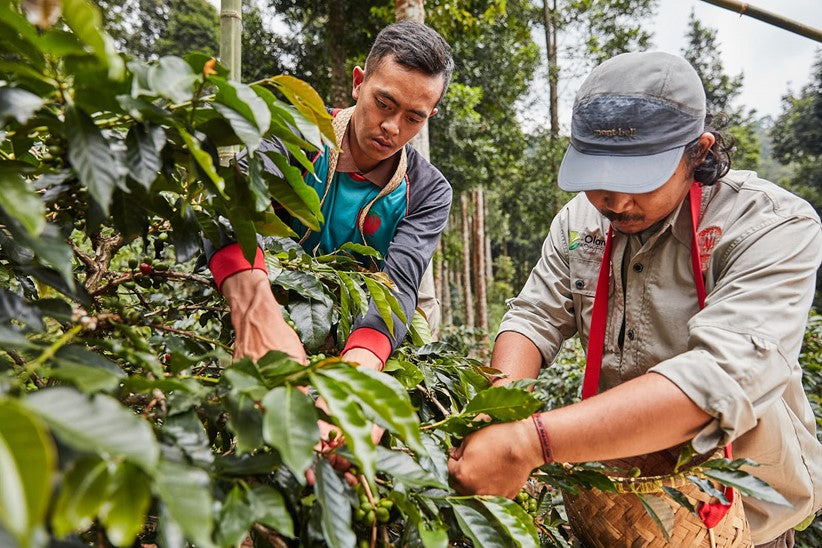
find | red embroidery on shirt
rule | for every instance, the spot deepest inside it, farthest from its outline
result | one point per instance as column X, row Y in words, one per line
column 706, row 239
column 372, row 224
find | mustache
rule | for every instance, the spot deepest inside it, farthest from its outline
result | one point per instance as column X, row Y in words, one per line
column 621, row 217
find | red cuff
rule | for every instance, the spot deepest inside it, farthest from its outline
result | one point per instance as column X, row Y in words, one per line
column 370, row 339
column 230, row 260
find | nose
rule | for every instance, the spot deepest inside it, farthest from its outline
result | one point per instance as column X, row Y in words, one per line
column 390, row 125
column 618, row 202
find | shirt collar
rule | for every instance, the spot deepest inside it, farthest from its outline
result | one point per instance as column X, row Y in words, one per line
column 379, row 175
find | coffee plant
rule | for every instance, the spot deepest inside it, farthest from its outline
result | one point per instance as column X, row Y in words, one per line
column 123, row 419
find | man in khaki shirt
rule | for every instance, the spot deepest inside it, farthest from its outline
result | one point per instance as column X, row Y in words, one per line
column 670, row 371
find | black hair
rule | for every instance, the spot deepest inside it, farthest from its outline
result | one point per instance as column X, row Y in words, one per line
column 711, row 165
column 415, row 46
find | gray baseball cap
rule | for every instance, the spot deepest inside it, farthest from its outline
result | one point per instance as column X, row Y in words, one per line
column 632, row 118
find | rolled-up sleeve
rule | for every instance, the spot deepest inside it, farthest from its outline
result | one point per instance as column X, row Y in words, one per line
column 544, row 310
column 743, row 346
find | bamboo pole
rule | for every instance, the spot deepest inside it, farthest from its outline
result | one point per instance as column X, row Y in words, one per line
column 231, row 29
column 743, row 8
column 231, row 49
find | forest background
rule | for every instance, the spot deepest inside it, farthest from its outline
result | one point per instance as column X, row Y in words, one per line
column 120, row 417
column 503, row 174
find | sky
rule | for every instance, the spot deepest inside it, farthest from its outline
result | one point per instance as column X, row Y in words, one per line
column 773, row 61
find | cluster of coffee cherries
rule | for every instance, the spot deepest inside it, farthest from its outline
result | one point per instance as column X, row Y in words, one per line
column 528, row 503
column 366, row 513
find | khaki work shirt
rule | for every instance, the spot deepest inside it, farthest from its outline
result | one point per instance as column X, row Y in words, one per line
column 737, row 358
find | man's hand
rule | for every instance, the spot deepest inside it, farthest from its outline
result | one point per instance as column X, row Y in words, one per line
column 258, row 322
column 496, row 460
column 365, row 358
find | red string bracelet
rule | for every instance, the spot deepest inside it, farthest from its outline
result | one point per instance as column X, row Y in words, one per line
column 543, row 438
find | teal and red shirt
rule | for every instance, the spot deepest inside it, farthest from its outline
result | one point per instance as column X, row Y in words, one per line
column 404, row 226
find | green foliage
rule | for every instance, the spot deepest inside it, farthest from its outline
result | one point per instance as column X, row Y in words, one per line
column 796, row 138
column 149, row 29
column 703, row 52
column 119, row 401
column 118, row 397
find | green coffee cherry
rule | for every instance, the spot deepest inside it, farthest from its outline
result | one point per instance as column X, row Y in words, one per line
column 383, row 514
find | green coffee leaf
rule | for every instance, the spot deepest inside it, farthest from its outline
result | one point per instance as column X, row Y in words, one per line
column 84, row 19
column 405, row 470
column 660, row 511
column 99, row 423
column 235, row 518
column 349, row 416
column 21, row 202
column 312, row 320
column 204, row 161
column 171, row 77
column 747, row 484
column 89, row 371
column 247, row 113
column 92, row 157
column 298, row 198
column 18, row 104
column 384, row 399
column 290, row 426
column 124, row 510
column 476, row 525
column 144, row 143
column 514, row 521
column 377, row 292
column 268, row 508
column 27, row 466
column 336, row 511
column 82, row 493
column 186, row 493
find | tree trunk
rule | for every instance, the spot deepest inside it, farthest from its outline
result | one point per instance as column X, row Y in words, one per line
column 549, row 14
column 340, row 91
column 489, row 270
column 415, row 10
column 466, row 262
column 447, row 307
column 479, row 260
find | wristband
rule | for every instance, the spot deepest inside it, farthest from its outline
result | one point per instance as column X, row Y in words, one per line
column 543, row 438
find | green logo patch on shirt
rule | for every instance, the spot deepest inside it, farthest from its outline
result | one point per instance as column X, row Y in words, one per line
column 574, row 240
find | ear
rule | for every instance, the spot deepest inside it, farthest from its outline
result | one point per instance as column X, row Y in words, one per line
column 434, row 112
column 706, row 141
column 357, row 78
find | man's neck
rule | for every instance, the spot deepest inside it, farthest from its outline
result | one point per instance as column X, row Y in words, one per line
column 378, row 174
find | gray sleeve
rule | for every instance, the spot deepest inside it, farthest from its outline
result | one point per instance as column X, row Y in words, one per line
column 410, row 252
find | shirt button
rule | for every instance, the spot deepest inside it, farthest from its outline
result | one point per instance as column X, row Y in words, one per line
column 579, row 284
column 638, row 267
column 631, row 335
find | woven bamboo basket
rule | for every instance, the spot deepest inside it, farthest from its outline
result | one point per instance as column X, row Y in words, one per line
column 612, row 520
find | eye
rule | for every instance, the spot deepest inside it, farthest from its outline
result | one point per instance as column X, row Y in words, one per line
column 382, row 105
column 414, row 120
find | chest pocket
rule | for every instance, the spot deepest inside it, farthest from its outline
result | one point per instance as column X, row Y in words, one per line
column 584, row 275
